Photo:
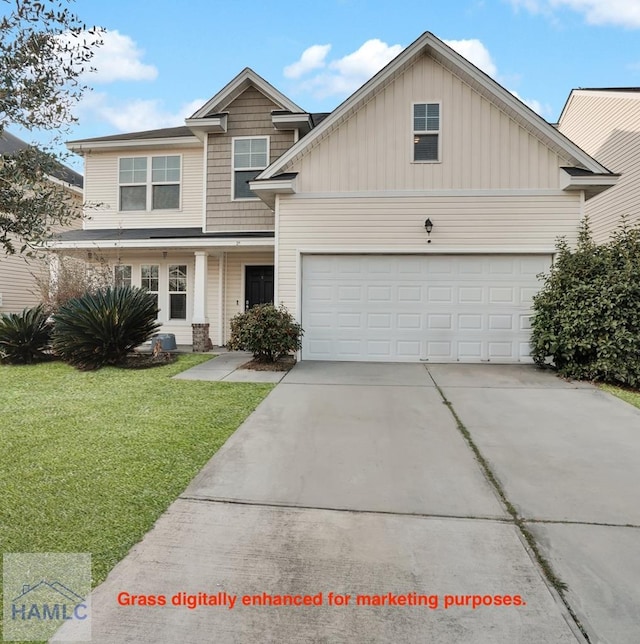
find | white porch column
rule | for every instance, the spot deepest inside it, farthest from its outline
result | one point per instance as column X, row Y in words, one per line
column 200, row 289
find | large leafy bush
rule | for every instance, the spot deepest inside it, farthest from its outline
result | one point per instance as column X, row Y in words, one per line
column 24, row 337
column 102, row 328
column 587, row 315
column 269, row 332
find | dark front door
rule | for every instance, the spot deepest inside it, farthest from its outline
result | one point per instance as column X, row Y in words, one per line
column 258, row 285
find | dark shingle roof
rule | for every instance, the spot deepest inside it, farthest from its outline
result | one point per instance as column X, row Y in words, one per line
column 10, row 144
column 142, row 234
column 164, row 133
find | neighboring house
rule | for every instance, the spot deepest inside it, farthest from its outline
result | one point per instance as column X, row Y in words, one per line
column 18, row 287
column 255, row 199
column 605, row 123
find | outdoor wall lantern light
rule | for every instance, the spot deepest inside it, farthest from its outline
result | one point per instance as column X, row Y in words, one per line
column 428, row 226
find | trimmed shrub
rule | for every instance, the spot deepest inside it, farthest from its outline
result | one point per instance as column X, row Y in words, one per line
column 587, row 315
column 24, row 337
column 269, row 332
column 102, row 328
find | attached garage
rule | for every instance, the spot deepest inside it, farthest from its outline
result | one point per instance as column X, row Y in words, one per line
column 411, row 308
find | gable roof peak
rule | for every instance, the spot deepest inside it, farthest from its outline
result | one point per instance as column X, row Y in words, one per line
column 245, row 79
column 450, row 59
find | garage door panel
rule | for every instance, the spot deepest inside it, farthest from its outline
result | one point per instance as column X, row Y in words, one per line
column 419, row 308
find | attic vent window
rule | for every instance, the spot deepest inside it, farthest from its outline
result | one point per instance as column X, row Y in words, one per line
column 426, row 132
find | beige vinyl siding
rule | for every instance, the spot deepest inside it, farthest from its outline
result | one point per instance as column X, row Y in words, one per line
column 607, row 126
column 234, row 281
column 481, row 146
column 101, row 191
column 18, row 286
column 512, row 223
column 249, row 115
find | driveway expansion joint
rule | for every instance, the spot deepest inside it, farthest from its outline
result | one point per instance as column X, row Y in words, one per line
column 291, row 506
column 529, row 542
column 633, row 526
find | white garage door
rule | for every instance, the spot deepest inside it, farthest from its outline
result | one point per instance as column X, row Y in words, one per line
column 407, row 308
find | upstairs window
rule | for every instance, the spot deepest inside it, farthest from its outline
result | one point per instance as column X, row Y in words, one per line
column 250, row 157
column 426, row 131
column 150, row 181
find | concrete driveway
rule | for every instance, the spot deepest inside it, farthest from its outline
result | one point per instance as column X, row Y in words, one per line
column 354, row 480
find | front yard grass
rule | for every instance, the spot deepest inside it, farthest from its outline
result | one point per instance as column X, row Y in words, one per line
column 89, row 461
column 629, row 395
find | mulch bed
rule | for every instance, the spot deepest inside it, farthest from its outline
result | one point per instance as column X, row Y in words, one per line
column 147, row 360
column 284, row 364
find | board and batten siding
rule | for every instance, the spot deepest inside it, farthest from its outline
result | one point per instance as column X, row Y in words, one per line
column 482, row 147
column 607, row 126
column 513, row 223
column 101, row 192
column 249, row 115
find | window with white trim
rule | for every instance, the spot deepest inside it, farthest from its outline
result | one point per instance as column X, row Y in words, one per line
column 122, row 275
column 178, row 292
column 426, row 131
column 150, row 279
column 250, row 157
column 149, row 183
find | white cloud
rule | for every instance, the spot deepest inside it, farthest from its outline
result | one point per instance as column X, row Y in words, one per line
column 622, row 13
column 312, row 58
column 475, row 51
column 136, row 115
column 346, row 74
column 543, row 110
column 119, row 59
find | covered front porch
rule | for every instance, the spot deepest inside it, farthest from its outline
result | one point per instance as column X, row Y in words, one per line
column 201, row 281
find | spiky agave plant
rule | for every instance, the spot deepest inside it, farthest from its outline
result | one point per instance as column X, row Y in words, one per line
column 24, row 337
column 102, row 328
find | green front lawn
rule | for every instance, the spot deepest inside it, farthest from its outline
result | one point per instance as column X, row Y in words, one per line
column 631, row 396
column 89, row 461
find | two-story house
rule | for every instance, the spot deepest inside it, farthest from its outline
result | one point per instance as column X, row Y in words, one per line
column 19, row 274
column 605, row 122
column 410, row 224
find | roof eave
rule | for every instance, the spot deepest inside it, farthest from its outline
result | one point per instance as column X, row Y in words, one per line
column 83, row 147
column 267, row 189
column 591, row 185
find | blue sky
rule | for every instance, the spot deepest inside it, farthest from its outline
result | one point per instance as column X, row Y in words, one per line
column 159, row 63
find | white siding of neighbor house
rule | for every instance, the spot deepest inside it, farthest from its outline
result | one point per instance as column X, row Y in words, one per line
column 20, row 277
column 18, row 286
column 607, row 126
column 482, row 148
column 101, row 191
column 493, row 222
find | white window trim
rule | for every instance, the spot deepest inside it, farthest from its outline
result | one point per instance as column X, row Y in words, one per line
column 185, row 292
column 233, row 168
column 438, row 132
column 149, row 183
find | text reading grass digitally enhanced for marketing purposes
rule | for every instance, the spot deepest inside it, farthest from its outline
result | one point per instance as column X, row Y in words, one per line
column 230, row 601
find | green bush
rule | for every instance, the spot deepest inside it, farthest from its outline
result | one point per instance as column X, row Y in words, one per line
column 587, row 315
column 24, row 337
column 269, row 332
column 102, row 328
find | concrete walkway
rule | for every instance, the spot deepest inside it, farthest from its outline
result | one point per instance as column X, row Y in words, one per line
column 226, row 367
column 354, row 479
